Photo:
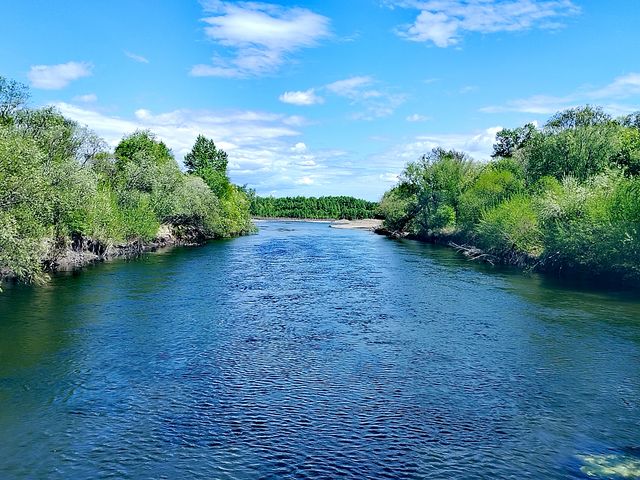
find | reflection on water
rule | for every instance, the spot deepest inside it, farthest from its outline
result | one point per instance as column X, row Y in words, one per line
column 310, row 352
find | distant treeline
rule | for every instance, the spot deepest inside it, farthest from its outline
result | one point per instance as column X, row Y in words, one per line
column 59, row 182
column 340, row 207
column 564, row 197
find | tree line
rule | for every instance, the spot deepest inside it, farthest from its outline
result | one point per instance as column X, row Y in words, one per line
column 565, row 196
column 336, row 207
column 59, row 181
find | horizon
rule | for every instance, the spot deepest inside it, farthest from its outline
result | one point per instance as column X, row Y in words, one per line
column 311, row 99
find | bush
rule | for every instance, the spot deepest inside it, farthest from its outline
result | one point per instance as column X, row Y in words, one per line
column 511, row 227
column 492, row 186
column 594, row 226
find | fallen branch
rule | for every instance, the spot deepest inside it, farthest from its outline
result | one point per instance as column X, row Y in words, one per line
column 474, row 253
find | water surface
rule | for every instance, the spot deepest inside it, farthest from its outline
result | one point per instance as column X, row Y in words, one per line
column 309, row 352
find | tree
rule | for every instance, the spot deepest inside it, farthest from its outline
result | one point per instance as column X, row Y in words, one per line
column 205, row 155
column 142, row 143
column 632, row 120
column 13, row 96
column 508, row 141
column 439, row 178
column 89, row 145
column 573, row 118
column 54, row 134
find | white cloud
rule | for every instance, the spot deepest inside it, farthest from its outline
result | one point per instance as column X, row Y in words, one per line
column 467, row 89
column 621, row 87
column 299, row 148
column 304, row 181
column 87, row 98
column 374, row 102
column 307, row 97
column 137, row 58
column 259, row 144
column 444, row 22
column 259, row 36
column 349, row 87
column 478, row 145
column 179, row 128
column 55, row 77
column 389, row 177
column 416, row 117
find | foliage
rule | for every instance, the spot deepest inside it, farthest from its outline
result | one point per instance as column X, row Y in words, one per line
column 511, row 226
column 13, row 96
column 397, row 207
column 206, row 156
column 567, row 195
column 594, row 226
column 493, row 185
column 142, row 143
column 58, row 182
column 438, row 180
column 508, row 141
column 340, row 207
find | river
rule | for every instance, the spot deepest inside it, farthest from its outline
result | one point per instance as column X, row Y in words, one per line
column 309, row 352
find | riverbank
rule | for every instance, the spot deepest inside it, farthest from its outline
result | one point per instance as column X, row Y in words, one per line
column 521, row 260
column 371, row 224
column 81, row 251
column 292, row 219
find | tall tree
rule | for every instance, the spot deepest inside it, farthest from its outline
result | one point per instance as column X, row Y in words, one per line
column 510, row 140
column 13, row 96
column 206, row 156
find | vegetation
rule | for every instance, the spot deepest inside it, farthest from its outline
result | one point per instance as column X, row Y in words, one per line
column 59, row 182
column 311, row 207
column 562, row 197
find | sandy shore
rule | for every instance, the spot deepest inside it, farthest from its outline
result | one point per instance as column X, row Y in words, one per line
column 291, row 219
column 365, row 224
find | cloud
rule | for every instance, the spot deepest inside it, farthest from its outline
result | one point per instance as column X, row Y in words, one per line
column 444, row 22
column 416, row 117
column 608, row 96
column 258, row 38
column 478, row 144
column 308, row 97
column 179, row 128
column 389, row 177
column 265, row 151
column 621, row 87
column 304, row 181
column 299, row 148
column 137, row 58
column 55, row 77
column 359, row 90
column 349, row 87
column 87, row 98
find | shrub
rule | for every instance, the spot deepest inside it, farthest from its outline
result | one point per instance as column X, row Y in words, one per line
column 512, row 226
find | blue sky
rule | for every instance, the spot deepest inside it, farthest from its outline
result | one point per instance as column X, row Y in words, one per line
column 322, row 97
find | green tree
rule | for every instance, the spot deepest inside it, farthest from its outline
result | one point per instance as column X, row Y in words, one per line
column 13, row 97
column 142, row 143
column 206, row 156
column 508, row 141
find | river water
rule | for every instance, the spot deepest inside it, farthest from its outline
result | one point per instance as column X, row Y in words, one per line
column 309, row 352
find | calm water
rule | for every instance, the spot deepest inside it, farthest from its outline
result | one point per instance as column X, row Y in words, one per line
column 308, row 352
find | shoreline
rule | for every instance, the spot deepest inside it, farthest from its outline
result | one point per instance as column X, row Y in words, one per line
column 80, row 252
column 292, row 219
column 370, row 224
column 523, row 262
